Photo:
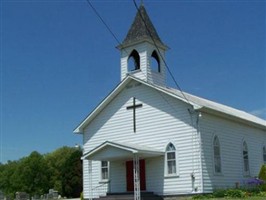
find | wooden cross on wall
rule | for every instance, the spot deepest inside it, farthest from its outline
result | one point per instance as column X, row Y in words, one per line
column 134, row 106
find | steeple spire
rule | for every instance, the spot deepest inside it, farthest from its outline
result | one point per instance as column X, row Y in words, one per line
column 143, row 52
column 141, row 30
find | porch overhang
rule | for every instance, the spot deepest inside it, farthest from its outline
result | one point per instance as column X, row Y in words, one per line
column 111, row 151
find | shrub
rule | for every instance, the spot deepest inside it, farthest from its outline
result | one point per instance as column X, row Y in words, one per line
column 262, row 174
column 235, row 193
column 81, row 196
column 219, row 193
column 263, row 187
column 203, row 196
column 262, row 194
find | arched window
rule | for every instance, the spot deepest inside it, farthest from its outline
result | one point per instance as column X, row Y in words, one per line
column 133, row 61
column 217, row 156
column 264, row 154
column 245, row 158
column 171, row 160
column 155, row 62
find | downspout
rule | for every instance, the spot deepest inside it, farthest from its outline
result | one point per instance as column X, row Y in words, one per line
column 200, row 150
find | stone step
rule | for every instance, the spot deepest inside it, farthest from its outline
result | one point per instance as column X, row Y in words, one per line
column 130, row 196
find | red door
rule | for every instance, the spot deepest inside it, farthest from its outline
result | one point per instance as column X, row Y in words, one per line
column 130, row 175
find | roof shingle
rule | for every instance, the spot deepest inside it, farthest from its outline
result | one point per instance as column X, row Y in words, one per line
column 142, row 29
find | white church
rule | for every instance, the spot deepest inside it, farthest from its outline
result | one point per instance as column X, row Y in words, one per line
column 146, row 139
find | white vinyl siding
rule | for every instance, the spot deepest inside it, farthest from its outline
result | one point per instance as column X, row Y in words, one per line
column 145, row 73
column 115, row 123
column 231, row 136
column 163, row 119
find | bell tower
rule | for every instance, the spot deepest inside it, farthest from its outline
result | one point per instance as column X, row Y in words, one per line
column 143, row 52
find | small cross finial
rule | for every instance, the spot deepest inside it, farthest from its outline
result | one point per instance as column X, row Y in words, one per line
column 141, row 2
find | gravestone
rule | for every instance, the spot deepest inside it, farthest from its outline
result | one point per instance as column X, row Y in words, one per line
column 53, row 194
column 2, row 196
column 22, row 196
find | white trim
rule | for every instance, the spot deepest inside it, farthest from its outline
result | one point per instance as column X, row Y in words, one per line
column 213, row 156
column 108, row 172
column 263, row 147
column 166, row 174
column 198, row 103
column 245, row 173
column 131, row 148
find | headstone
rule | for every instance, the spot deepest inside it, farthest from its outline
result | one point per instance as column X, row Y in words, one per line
column 53, row 194
column 22, row 196
column 2, row 196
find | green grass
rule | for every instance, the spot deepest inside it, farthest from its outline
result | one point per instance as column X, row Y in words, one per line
column 247, row 198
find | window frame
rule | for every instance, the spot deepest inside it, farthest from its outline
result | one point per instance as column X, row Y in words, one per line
column 245, row 157
column 264, row 154
column 103, row 179
column 169, row 151
column 217, row 158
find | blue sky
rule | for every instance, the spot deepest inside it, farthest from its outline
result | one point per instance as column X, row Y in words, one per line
column 58, row 61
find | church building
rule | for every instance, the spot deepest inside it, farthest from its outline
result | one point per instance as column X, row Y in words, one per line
column 147, row 139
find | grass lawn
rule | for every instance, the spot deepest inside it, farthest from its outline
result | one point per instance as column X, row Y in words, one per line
column 247, row 198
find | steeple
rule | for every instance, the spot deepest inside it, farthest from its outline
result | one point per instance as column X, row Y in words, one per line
column 142, row 51
column 142, row 29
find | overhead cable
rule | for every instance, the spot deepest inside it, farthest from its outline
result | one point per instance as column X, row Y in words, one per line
column 168, row 69
column 106, row 25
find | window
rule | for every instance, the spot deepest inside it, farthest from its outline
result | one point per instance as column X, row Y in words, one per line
column 264, row 155
column 171, row 161
column 217, row 156
column 245, row 158
column 133, row 61
column 155, row 62
column 104, row 170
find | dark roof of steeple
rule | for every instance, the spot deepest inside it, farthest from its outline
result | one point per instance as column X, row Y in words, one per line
column 139, row 30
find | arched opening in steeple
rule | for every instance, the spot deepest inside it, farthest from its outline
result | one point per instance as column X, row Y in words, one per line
column 155, row 62
column 133, row 61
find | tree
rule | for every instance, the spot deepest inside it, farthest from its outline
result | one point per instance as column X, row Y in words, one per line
column 56, row 162
column 32, row 175
column 37, row 173
column 72, row 175
column 6, row 183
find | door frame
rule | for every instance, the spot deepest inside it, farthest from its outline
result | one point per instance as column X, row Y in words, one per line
column 130, row 175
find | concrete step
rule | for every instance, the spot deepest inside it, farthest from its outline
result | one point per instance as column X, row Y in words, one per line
column 130, row 196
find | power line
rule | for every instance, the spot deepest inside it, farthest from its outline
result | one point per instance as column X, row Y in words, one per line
column 1, row 82
column 106, row 25
column 114, row 36
column 168, row 69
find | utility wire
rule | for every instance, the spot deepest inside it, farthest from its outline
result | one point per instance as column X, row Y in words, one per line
column 106, row 25
column 1, row 82
column 112, row 33
column 168, row 69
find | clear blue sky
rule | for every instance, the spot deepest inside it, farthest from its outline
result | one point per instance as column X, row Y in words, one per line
column 58, row 61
